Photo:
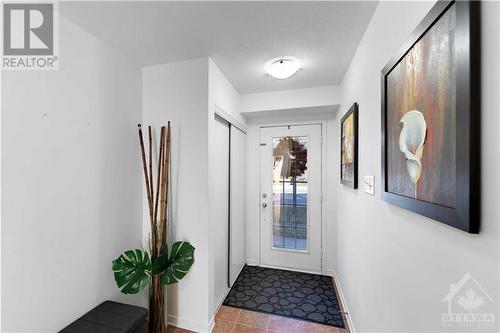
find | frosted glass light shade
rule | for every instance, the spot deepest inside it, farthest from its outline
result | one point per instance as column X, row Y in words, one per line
column 282, row 68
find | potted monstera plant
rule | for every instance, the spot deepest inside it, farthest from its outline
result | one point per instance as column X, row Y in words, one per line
column 136, row 269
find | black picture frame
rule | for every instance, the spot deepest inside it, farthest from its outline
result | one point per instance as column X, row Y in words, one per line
column 466, row 213
column 354, row 112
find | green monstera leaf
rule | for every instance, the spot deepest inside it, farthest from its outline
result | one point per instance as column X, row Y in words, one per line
column 132, row 271
column 174, row 267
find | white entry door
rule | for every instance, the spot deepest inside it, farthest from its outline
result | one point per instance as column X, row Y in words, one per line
column 291, row 197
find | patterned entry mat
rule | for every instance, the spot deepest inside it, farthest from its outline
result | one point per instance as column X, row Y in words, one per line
column 303, row 296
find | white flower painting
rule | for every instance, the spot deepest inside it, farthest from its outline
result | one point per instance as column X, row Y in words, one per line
column 411, row 143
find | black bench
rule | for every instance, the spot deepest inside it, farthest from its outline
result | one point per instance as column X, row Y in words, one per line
column 110, row 317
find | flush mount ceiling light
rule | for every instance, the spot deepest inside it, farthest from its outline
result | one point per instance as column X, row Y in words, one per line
column 282, row 68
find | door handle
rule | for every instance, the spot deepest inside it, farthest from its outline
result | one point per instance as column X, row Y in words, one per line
column 264, row 204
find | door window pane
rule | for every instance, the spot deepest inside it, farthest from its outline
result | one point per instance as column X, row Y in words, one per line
column 301, row 239
column 278, row 238
column 290, row 192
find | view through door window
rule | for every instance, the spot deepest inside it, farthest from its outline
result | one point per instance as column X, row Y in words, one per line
column 290, row 193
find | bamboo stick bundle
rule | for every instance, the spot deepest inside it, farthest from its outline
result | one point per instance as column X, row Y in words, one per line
column 158, row 174
column 165, row 181
column 157, row 202
column 146, row 177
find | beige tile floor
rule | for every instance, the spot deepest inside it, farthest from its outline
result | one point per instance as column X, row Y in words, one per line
column 233, row 320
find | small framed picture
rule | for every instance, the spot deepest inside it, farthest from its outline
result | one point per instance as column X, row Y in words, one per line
column 349, row 148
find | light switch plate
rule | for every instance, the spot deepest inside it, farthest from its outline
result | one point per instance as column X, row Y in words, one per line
column 370, row 184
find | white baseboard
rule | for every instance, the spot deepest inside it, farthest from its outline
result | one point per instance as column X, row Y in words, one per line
column 251, row 262
column 348, row 315
column 190, row 325
column 239, row 271
column 220, row 302
column 293, row 269
column 198, row 327
column 211, row 325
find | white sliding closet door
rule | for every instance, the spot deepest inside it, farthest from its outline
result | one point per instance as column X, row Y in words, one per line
column 237, row 202
column 221, row 207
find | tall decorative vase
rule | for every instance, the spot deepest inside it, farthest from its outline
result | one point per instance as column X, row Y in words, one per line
column 157, row 322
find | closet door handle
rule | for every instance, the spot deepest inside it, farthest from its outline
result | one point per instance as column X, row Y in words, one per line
column 264, row 205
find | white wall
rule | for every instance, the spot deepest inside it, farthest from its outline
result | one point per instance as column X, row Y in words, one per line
column 187, row 93
column 225, row 100
column 71, row 191
column 223, row 95
column 395, row 266
column 258, row 104
column 179, row 92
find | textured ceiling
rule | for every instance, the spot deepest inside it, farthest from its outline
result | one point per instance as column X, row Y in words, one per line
column 239, row 36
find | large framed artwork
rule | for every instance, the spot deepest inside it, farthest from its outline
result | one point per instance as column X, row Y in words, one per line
column 430, row 118
column 349, row 147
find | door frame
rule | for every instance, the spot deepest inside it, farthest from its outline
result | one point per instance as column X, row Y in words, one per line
column 323, row 182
